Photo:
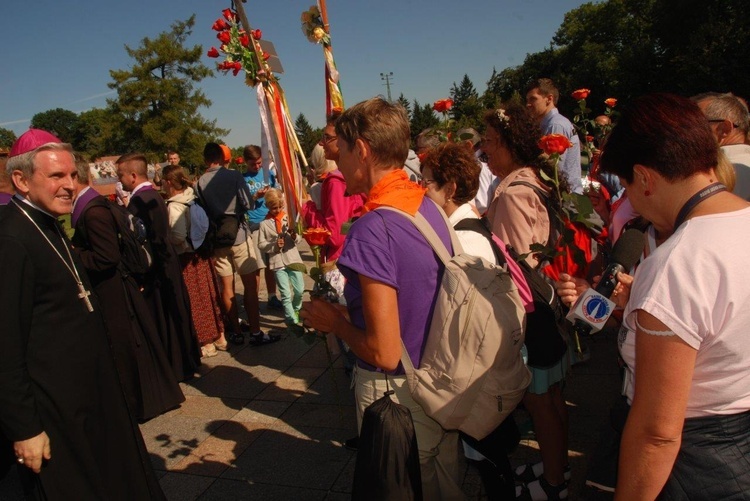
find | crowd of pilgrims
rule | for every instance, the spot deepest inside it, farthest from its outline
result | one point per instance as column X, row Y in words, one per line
column 161, row 323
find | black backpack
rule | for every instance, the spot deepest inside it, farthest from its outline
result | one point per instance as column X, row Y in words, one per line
column 387, row 465
column 206, row 249
column 136, row 255
column 546, row 328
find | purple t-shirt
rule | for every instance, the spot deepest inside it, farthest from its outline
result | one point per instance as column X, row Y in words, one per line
column 385, row 246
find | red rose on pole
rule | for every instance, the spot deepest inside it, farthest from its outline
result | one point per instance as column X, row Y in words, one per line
column 611, row 102
column 266, row 55
column 589, row 139
column 257, row 34
column 229, row 14
column 220, row 25
column 580, row 94
column 212, row 52
column 442, row 105
column 554, row 144
column 244, row 40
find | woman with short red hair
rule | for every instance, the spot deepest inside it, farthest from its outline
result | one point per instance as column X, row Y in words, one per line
column 687, row 434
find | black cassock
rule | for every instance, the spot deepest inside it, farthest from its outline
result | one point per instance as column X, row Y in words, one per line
column 164, row 288
column 58, row 375
column 146, row 375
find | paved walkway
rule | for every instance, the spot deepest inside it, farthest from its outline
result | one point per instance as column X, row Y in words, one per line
column 268, row 423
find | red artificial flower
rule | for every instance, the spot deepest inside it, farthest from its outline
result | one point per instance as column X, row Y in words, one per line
column 316, row 236
column 237, row 68
column 442, row 105
column 225, row 65
column 244, row 40
column 611, row 102
column 589, row 139
column 224, row 36
column 239, row 160
column 266, row 55
column 554, row 143
column 580, row 94
column 212, row 52
column 229, row 14
column 220, row 25
column 257, row 34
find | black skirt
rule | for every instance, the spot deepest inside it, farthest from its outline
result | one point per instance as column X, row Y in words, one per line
column 714, row 460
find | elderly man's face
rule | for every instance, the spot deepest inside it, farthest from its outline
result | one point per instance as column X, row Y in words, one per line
column 52, row 186
column 173, row 159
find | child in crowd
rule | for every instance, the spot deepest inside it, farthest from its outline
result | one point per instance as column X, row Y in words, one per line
column 277, row 238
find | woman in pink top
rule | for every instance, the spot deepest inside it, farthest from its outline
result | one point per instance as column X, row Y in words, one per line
column 336, row 206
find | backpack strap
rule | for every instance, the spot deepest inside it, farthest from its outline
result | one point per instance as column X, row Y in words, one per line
column 540, row 192
column 440, row 249
column 544, row 197
column 480, row 226
column 429, row 234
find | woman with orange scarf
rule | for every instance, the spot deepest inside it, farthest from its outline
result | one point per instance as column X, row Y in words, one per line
column 392, row 279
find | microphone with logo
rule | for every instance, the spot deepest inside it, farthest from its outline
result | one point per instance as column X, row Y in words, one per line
column 593, row 308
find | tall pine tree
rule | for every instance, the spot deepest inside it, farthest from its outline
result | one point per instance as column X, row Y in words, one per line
column 467, row 109
column 422, row 117
column 157, row 104
column 405, row 103
column 308, row 137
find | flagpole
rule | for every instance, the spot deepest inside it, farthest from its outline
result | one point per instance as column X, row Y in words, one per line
column 284, row 152
column 324, row 15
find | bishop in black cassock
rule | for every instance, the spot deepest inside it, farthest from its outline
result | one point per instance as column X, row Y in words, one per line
column 57, row 379
column 146, row 375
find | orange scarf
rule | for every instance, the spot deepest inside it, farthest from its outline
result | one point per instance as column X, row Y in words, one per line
column 279, row 220
column 395, row 190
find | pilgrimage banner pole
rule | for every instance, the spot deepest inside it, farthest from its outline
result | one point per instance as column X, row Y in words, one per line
column 316, row 28
column 242, row 48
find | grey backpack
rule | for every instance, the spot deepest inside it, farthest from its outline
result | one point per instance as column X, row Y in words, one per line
column 471, row 375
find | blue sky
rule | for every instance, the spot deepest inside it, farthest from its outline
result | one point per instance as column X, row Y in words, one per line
column 58, row 54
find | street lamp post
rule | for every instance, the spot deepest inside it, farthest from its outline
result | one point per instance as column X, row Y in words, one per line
column 387, row 78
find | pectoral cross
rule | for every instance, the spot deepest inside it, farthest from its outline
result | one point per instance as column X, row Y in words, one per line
column 84, row 294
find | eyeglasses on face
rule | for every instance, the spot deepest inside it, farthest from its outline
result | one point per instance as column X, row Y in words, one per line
column 426, row 182
column 720, row 120
column 328, row 138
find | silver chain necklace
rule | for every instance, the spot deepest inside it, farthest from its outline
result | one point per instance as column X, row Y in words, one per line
column 83, row 294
